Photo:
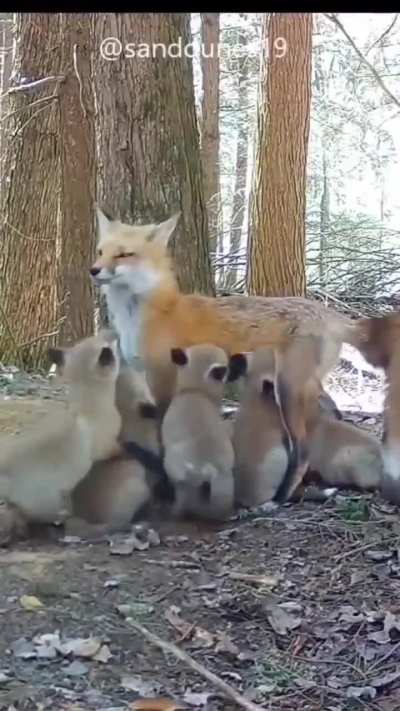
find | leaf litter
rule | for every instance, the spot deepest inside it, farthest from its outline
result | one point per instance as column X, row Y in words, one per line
column 329, row 637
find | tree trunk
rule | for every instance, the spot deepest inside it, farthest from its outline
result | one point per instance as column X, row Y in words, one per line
column 324, row 219
column 30, row 194
column 6, row 60
column 149, row 157
column 277, row 240
column 242, row 145
column 77, row 137
column 210, row 121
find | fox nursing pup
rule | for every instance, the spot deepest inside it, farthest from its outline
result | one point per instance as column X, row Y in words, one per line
column 152, row 317
column 123, row 439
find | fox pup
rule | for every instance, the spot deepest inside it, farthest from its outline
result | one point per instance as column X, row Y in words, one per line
column 338, row 452
column 198, row 454
column 259, row 439
column 38, row 472
column 152, row 317
column 345, row 456
column 116, row 490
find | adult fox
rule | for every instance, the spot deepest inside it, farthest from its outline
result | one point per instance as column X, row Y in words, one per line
column 152, row 316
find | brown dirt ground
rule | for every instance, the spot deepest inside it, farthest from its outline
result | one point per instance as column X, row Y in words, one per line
column 320, row 631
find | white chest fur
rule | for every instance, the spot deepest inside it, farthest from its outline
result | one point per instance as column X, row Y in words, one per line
column 124, row 315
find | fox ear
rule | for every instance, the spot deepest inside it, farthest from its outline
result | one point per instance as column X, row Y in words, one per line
column 178, row 356
column 147, row 410
column 103, row 223
column 237, row 366
column 267, row 388
column 217, row 372
column 106, row 357
column 162, row 232
column 56, row 356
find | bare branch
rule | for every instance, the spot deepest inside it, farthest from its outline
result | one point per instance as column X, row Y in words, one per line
column 384, row 33
column 33, row 85
column 363, row 59
column 171, row 648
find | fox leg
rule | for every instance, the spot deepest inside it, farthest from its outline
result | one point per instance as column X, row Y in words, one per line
column 161, row 377
column 391, row 435
column 296, row 392
column 328, row 405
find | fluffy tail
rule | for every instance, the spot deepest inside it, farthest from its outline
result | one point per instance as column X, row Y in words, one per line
column 162, row 488
column 378, row 339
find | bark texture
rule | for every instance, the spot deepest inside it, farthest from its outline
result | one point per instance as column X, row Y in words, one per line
column 210, row 121
column 77, row 243
column 147, row 135
column 242, row 146
column 29, row 197
column 277, row 240
column 47, row 217
column 6, row 59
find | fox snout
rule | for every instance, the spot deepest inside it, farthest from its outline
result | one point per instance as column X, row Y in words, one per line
column 101, row 272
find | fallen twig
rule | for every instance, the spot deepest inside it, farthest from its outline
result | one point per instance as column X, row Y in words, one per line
column 227, row 689
column 270, row 580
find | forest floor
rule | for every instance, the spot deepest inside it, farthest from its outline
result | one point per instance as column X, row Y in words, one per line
column 298, row 607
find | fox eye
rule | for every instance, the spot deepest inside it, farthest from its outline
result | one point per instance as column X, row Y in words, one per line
column 126, row 254
column 100, row 252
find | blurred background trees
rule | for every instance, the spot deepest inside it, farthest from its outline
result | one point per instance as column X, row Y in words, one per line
column 283, row 164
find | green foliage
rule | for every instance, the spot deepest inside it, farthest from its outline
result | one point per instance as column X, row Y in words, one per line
column 353, row 510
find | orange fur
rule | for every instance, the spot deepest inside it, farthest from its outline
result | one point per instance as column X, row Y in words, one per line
column 378, row 339
column 294, row 328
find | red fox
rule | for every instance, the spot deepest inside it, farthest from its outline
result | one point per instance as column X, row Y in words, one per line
column 152, row 316
column 378, row 339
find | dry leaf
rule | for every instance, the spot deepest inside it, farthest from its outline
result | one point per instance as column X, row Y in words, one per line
column 280, row 621
column 23, row 649
column 196, row 699
column 121, row 547
column 141, row 686
column 172, row 616
column 380, row 681
column 46, row 651
column 47, row 644
column 349, row 614
column 135, row 609
column 225, row 645
column 86, row 648
column 153, row 537
column 76, row 669
column 30, row 602
column 160, row 704
column 203, row 638
column 103, row 655
column 390, row 623
column 378, row 555
column 361, row 692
